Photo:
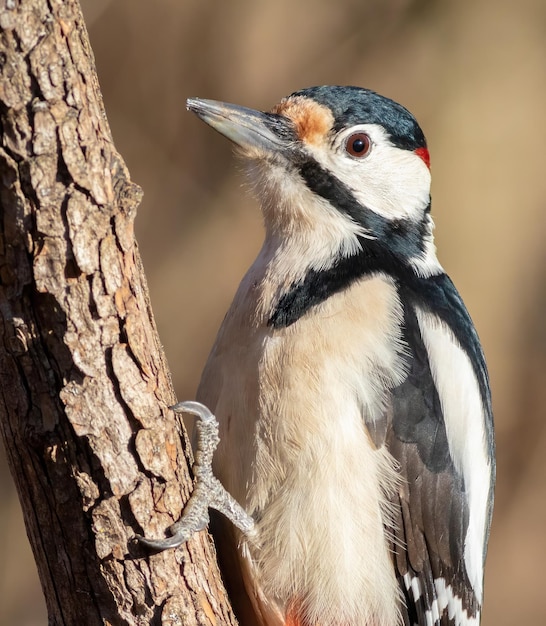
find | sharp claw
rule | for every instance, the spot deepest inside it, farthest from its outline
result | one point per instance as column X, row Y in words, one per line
column 194, row 408
column 162, row 544
column 208, row 492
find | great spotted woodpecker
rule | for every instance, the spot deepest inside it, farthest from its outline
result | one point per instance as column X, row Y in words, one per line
column 348, row 381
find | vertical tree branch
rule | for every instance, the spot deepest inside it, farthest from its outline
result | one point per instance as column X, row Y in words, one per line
column 84, row 387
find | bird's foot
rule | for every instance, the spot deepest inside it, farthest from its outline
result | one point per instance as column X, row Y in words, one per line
column 208, row 492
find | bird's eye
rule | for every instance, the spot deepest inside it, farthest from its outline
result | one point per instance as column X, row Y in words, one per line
column 358, row 145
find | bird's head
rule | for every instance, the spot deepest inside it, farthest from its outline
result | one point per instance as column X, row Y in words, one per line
column 339, row 169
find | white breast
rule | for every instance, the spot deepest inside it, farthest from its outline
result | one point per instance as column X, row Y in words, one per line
column 292, row 405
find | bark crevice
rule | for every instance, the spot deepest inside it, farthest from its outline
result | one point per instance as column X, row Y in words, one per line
column 84, row 386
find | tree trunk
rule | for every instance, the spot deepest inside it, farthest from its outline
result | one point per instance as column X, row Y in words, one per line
column 85, row 390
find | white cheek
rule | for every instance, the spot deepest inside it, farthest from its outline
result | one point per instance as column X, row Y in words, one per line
column 390, row 181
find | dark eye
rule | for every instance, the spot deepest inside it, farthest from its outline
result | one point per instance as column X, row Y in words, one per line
column 358, row 145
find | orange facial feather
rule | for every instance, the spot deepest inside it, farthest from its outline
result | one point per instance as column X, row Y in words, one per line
column 313, row 121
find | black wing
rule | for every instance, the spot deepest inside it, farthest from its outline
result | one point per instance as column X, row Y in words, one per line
column 432, row 506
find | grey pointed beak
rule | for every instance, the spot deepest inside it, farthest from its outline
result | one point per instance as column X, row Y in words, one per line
column 249, row 129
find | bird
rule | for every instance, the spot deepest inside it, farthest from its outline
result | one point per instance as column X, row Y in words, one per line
column 347, row 379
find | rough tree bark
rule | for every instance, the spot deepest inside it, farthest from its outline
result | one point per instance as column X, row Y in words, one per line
column 84, row 388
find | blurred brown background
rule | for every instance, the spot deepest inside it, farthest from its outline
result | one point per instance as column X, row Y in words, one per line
column 473, row 73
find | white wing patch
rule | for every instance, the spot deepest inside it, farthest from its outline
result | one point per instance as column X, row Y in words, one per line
column 463, row 410
column 446, row 600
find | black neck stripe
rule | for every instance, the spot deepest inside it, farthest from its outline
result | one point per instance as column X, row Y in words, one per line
column 403, row 237
column 435, row 294
column 319, row 285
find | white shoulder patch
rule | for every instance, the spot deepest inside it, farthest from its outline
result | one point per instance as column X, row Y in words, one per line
column 464, row 416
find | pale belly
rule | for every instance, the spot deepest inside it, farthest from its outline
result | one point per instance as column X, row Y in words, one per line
column 295, row 451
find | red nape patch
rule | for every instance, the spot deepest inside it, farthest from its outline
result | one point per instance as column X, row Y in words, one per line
column 422, row 153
